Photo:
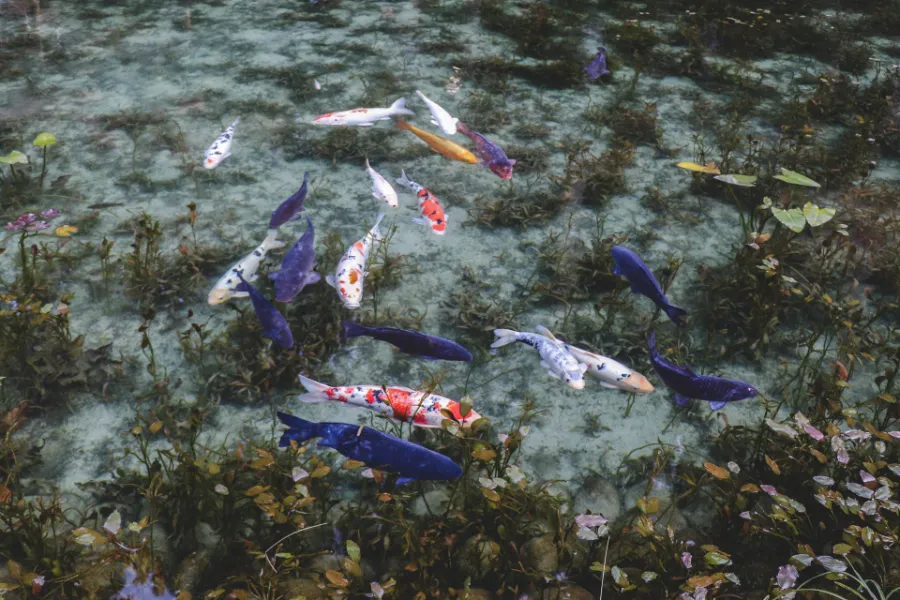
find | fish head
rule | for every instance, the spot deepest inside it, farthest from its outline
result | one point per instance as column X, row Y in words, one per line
column 212, row 161
column 574, row 378
column 503, row 169
column 288, row 287
column 637, row 383
column 742, row 391
column 218, row 296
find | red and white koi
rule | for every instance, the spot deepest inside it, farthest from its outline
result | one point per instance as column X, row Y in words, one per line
column 364, row 117
column 432, row 211
column 610, row 373
column 247, row 267
column 439, row 116
column 399, row 403
column 381, row 189
column 351, row 269
column 221, row 148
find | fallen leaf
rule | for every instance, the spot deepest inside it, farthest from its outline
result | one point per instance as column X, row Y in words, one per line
column 717, row 471
column 709, row 168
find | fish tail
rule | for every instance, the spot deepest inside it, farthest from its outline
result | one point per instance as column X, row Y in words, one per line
column 376, row 232
column 399, row 107
column 234, row 124
column 504, row 337
column 271, row 241
column 461, row 127
column 352, row 329
column 315, row 391
column 368, row 166
column 401, row 124
column 299, row 430
column 652, row 343
column 404, row 180
column 676, row 314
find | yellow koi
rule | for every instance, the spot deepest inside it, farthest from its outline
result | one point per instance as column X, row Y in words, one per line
column 442, row 146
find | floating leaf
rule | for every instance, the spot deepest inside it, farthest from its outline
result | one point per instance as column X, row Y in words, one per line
column 320, row 472
column 620, row 577
column 353, row 550
column 88, row 537
column 841, row 549
column 716, row 471
column 793, row 219
column 709, row 168
column 264, row 461
column 14, row 158
column 256, row 490
column 816, row 216
column 860, row 490
column 298, row 473
column 113, row 522
column 832, row 564
column 795, row 178
column 44, row 139
column 739, row 180
column 221, row 489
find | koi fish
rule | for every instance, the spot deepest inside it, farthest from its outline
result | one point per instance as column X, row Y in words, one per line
column 381, row 189
column 597, row 67
column 610, row 373
column 399, row 403
column 445, row 148
column 221, row 148
column 351, row 269
column 290, row 208
column 247, row 266
column 274, row 325
column 686, row 384
column 429, row 205
column 429, row 347
column 364, row 117
column 297, row 267
column 558, row 362
column 492, row 156
column 369, row 446
column 630, row 265
column 439, row 116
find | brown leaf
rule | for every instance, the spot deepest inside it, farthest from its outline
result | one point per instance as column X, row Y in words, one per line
column 717, row 471
column 491, row 495
column 256, row 490
column 773, row 465
column 705, row 581
column 5, row 494
column 336, row 578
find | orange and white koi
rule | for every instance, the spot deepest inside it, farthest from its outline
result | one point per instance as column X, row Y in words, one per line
column 610, row 373
column 432, row 212
column 351, row 269
column 444, row 147
column 221, row 148
column 402, row 404
column 364, row 117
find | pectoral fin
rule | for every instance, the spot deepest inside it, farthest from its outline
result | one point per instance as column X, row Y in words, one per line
column 717, row 404
column 330, row 280
column 404, row 480
column 681, row 400
column 554, row 375
column 583, row 368
column 608, row 385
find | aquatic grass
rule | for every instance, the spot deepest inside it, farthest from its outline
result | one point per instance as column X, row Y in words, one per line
column 536, row 201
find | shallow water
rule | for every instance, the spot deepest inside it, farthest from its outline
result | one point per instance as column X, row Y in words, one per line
column 189, row 69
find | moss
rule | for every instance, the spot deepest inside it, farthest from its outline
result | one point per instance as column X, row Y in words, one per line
column 632, row 40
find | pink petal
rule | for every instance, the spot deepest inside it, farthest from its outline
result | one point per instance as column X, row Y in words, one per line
column 770, row 490
column 813, row 432
column 591, row 520
column 687, row 559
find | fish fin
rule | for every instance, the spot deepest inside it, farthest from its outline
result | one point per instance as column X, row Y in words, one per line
column 403, row 179
column 421, row 221
column 351, row 329
column 236, row 121
column 312, row 277
column 676, row 314
column 511, row 161
column 544, row 364
column 608, row 385
column 504, row 337
column 682, row 400
column 375, row 231
column 399, row 107
column 404, row 481
column 367, row 124
column 717, row 404
column 368, row 166
column 299, row 430
column 330, row 280
column 227, row 154
column 545, row 332
column 311, row 398
column 583, row 368
column 314, row 389
column 401, row 124
column 651, row 343
column 553, row 374
column 240, row 294
column 617, row 271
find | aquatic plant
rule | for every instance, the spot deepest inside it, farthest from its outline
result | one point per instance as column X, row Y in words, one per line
column 638, row 126
column 537, row 202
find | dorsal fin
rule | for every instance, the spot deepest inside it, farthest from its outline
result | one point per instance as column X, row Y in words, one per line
column 546, row 333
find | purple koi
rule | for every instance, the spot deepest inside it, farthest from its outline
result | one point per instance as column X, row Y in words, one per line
column 297, row 267
column 291, row 208
column 597, row 67
column 492, row 156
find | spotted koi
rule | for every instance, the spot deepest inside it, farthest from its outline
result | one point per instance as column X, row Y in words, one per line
column 351, row 269
column 432, row 211
column 221, row 148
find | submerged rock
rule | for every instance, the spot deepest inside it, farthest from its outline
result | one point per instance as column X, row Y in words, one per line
column 567, row 592
column 302, row 588
column 478, row 556
column 599, row 496
column 540, row 554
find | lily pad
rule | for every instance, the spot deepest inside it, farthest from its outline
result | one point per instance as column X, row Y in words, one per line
column 816, row 216
column 709, row 168
column 736, row 179
column 793, row 219
column 14, row 158
column 795, row 178
column 44, row 139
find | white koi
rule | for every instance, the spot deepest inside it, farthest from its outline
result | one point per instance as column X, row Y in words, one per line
column 351, row 269
column 610, row 373
column 558, row 362
column 247, row 266
column 381, row 189
column 364, row 117
column 317, row 85
column 439, row 116
column 221, row 148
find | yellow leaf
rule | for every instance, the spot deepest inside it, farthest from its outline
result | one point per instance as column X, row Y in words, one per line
column 155, row 426
column 214, row 468
column 336, row 578
column 709, row 168
column 264, row 461
column 717, row 471
column 256, row 490
column 750, row 488
column 351, row 464
column 485, row 454
column 491, row 495
column 705, row 581
column 819, row 456
column 65, row 230
column 320, row 472
column 773, row 465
